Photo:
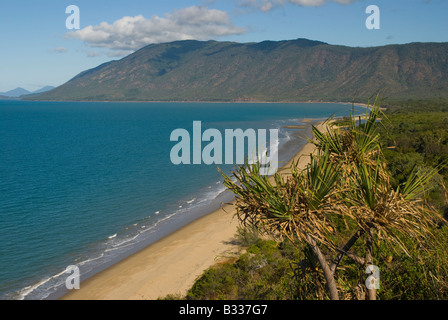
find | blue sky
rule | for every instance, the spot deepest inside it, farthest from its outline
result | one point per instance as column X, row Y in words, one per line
column 39, row 50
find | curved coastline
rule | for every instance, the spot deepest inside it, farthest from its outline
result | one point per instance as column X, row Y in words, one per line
column 157, row 222
column 172, row 264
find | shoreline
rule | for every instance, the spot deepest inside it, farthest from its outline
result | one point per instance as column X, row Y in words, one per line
column 198, row 101
column 172, row 264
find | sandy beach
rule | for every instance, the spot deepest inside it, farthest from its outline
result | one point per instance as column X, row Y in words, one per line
column 172, row 264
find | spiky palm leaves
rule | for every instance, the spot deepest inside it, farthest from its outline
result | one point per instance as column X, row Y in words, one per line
column 366, row 183
column 390, row 214
column 346, row 177
column 296, row 207
column 292, row 206
column 355, row 144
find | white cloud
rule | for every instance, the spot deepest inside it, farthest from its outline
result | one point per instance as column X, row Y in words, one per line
column 132, row 33
column 60, row 50
column 316, row 3
column 93, row 54
column 268, row 5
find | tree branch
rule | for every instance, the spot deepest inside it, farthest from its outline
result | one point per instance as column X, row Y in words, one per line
column 359, row 260
column 345, row 251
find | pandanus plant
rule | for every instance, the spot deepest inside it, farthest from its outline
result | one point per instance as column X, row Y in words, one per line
column 347, row 179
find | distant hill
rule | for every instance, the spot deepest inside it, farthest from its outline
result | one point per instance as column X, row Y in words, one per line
column 19, row 92
column 295, row 70
column 44, row 89
column 15, row 93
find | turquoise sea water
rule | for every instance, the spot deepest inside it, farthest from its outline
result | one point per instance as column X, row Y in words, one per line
column 87, row 184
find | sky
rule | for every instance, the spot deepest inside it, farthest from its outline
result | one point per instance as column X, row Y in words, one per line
column 41, row 45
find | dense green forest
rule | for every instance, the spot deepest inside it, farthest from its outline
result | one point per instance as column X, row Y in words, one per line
column 413, row 136
column 416, row 134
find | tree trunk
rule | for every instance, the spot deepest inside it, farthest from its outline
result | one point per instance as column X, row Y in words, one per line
column 329, row 276
column 371, row 293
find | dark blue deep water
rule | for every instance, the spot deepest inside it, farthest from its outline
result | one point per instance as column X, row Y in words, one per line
column 87, row 184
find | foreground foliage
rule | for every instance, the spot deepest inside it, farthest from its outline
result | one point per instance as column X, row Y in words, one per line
column 347, row 195
column 271, row 271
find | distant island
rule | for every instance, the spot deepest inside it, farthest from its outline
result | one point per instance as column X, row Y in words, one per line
column 272, row 71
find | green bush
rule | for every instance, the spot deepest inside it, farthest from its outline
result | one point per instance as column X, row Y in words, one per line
column 267, row 271
column 263, row 272
column 421, row 276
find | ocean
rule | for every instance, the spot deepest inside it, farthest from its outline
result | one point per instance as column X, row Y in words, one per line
column 90, row 183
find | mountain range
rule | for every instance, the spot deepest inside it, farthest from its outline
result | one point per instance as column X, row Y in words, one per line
column 19, row 92
column 293, row 70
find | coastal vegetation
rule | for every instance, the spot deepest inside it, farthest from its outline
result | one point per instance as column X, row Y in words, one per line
column 373, row 195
